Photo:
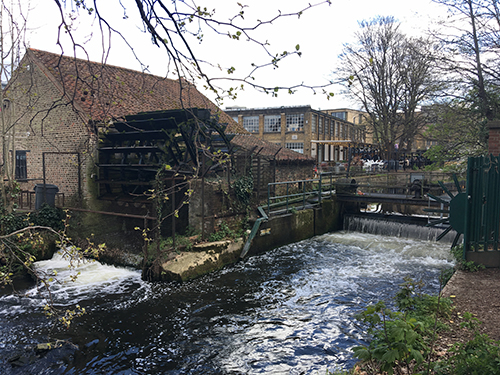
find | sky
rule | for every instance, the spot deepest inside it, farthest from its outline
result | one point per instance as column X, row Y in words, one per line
column 321, row 33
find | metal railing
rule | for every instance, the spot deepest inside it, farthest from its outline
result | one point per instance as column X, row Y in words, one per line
column 482, row 212
column 300, row 194
column 26, row 200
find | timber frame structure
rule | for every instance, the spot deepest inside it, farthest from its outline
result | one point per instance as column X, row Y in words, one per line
column 168, row 145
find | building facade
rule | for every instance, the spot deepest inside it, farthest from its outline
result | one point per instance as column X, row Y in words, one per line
column 318, row 134
column 53, row 106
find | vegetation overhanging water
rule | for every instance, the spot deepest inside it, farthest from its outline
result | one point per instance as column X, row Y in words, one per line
column 287, row 311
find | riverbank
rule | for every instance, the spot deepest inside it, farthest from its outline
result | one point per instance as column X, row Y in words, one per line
column 479, row 294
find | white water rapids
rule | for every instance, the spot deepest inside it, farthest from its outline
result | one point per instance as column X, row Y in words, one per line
column 287, row 311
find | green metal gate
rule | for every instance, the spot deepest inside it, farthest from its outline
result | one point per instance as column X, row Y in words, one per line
column 482, row 211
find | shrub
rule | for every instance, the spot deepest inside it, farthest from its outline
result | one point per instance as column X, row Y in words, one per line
column 461, row 263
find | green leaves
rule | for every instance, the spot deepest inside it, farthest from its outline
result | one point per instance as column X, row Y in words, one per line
column 400, row 340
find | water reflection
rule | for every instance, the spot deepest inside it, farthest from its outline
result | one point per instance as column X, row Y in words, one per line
column 288, row 311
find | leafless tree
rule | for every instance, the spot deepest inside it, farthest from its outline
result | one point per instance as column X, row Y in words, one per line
column 391, row 75
column 13, row 23
column 470, row 35
column 176, row 26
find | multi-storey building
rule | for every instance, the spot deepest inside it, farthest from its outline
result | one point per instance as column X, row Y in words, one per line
column 314, row 133
column 355, row 117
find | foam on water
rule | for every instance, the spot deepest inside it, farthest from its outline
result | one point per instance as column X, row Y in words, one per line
column 289, row 310
column 91, row 277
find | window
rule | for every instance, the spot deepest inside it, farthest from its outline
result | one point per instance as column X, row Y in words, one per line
column 313, row 123
column 332, row 129
column 295, row 122
column 251, row 123
column 430, row 143
column 296, row 146
column 320, row 126
column 340, row 115
column 21, row 165
column 235, row 119
column 272, row 124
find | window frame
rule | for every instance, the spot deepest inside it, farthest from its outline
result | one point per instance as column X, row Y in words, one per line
column 252, row 127
column 272, row 123
column 21, row 170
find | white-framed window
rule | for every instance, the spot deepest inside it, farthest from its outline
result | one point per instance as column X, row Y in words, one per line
column 320, row 125
column 295, row 122
column 251, row 123
column 314, row 119
column 295, row 146
column 272, row 123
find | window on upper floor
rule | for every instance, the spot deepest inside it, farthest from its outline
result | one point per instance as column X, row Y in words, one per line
column 314, row 119
column 21, row 173
column 296, row 146
column 251, row 123
column 295, row 122
column 272, row 124
column 340, row 115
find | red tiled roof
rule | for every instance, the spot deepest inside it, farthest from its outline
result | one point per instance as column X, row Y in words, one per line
column 104, row 92
column 267, row 149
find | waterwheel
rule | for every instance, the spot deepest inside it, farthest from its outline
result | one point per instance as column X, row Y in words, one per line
column 454, row 208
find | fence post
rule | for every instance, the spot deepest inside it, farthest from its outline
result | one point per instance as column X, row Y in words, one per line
column 319, row 188
column 269, row 199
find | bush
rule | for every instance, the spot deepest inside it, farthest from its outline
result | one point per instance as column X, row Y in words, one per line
column 403, row 339
column 461, row 263
column 224, row 232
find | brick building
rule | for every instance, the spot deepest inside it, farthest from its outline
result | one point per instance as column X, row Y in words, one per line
column 322, row 135
column 54, row 105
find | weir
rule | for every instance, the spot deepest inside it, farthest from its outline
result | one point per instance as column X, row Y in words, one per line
column 412, row 227
column 397, row 226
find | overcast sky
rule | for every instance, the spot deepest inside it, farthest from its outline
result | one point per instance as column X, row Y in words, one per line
column 320, row 32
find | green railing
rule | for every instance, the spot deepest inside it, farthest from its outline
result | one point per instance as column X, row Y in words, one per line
column 291, row 195
column 482, row 218
column 283, row 197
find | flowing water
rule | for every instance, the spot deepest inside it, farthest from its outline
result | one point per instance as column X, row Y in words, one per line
column 288, row 311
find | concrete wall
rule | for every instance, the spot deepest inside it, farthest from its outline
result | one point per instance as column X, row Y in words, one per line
column 284, row 230
column 489, row 259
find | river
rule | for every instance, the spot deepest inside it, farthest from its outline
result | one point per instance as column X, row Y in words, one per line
column 287, row 311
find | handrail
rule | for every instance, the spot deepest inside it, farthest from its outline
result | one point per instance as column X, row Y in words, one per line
column 296, row 197
column 292, row 197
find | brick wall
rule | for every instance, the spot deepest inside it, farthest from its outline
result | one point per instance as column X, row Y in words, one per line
column 294, row 172
column 494, row 138
column 44, row 123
